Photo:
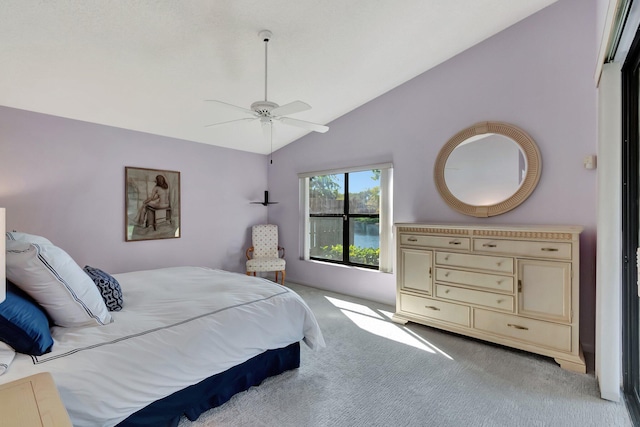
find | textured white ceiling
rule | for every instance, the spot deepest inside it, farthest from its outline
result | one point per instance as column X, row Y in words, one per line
column 148, row 65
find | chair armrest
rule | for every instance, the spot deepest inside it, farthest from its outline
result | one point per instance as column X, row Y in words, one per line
column 249, row 251
column 280, row 248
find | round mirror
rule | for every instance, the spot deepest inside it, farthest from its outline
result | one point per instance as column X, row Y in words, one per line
column 487, row 169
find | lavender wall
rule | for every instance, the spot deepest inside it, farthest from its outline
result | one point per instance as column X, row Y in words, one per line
column 537, row 75
column 64, row 179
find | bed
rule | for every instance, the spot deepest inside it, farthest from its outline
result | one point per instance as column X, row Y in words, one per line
column 185, row 340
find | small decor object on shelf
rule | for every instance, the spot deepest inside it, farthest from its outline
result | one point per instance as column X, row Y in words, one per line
column 152, row 200
column 266, row 201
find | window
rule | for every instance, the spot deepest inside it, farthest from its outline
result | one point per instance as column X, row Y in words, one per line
column 347, row 216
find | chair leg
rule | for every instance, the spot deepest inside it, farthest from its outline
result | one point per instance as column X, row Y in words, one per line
column 283, row 274
column 276, row 277
column 148, row 218
column 152, row 219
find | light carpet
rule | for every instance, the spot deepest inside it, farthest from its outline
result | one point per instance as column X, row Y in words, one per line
column 374, row 372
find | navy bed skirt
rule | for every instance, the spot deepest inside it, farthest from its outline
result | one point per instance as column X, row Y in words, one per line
column 216, row 390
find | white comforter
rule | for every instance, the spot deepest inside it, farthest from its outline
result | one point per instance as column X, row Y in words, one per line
column 178, row 326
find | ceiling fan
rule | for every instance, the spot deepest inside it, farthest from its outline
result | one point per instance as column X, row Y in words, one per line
column 267, row 111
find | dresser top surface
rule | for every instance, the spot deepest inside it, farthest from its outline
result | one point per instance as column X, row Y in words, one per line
column 501, row 227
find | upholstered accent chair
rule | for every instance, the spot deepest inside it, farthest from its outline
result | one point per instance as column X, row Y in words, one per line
column 265, row 255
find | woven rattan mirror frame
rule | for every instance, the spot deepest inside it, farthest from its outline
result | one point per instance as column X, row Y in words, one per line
column 528, row 147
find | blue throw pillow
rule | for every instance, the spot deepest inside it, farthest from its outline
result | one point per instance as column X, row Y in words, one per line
column 108, row 286
column 23, row 325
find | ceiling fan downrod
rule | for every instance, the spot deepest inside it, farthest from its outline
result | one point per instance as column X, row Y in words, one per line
column 265, row 36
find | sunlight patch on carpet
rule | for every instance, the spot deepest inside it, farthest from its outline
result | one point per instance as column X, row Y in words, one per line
column 373, row 322
column 387, row 314
column 353, row 307
column 409, row 331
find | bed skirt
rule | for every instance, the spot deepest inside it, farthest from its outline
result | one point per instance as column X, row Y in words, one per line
column 215, row 390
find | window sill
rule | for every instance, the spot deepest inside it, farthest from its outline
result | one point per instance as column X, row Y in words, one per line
column 352, row 267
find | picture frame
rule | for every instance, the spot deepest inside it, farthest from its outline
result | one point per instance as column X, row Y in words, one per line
column 152, row 204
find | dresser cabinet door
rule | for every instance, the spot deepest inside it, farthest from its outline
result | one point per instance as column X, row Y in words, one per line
column 416, row 269
column 544, row 290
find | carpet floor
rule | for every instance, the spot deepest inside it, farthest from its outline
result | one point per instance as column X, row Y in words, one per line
column 374, row 372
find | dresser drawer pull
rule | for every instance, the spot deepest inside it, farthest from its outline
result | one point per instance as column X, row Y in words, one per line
column 412, row 239
column 455, row 242
column 549, row 249
column 511, row 325
column 432, row 307
column 489, row 245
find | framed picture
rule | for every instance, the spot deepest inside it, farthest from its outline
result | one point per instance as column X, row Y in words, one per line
column 152, row 203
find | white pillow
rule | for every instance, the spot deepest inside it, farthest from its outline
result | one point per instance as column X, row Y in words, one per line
column 24, row 237
column 51, row 277
column 6, row 357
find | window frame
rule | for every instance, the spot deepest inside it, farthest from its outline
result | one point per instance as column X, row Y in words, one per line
column 385, row 261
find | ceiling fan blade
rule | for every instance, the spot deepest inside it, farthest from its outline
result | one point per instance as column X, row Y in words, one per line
column 235, row 107
column 290, row 108
column 305, row 125
column 231, row 121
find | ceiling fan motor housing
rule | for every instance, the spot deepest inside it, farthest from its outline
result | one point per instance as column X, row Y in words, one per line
column 264, row 108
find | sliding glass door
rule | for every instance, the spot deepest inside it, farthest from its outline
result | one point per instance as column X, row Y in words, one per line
column 630, row 229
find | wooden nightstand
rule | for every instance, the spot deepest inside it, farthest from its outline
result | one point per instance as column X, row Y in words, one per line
column 32, row 401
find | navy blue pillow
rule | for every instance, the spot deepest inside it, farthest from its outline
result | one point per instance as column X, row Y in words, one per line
column 23, row 325
column 108, row 286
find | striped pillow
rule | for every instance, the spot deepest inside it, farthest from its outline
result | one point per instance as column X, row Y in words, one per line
column 25, row 237
column 52, row 278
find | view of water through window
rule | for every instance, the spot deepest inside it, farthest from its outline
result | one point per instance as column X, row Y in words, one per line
column 364, row 241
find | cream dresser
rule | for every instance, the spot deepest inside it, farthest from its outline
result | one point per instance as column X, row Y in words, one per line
column 513, row 285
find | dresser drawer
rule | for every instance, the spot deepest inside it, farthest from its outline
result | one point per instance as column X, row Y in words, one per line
column 476, row 262
column 550, row 335
column 434, row 309
column 470, row 296
column 461, row 243
column 480, row 280
column 553, row 250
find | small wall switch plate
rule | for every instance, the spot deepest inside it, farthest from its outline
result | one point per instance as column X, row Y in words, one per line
column 590, row 162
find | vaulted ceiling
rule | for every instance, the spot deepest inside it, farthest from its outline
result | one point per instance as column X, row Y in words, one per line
column 148, row 65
